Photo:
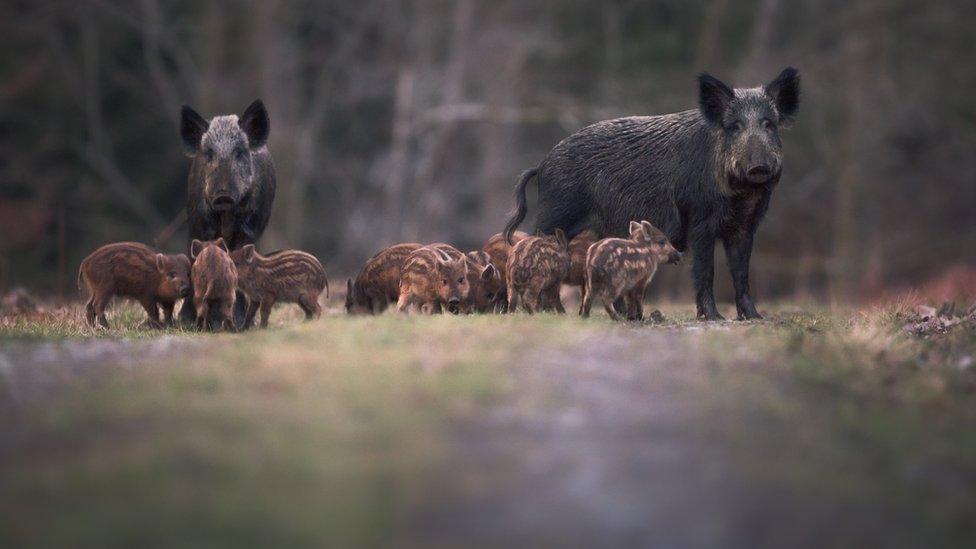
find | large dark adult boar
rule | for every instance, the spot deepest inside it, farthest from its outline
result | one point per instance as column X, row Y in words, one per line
column 700, row 175
column 231, row 185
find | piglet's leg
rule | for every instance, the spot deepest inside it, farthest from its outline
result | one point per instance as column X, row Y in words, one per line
column 266, row 311
column 152, row 310
column 100, row 302
column 203, row 311
column 611, row 310
column 310, row 305
column 167, row 312
column 252, row 310
column 227, row 316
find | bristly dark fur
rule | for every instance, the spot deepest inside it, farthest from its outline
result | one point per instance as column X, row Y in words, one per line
column 700, row 175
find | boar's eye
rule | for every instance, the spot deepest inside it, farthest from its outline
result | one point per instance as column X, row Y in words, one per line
column 461, row 280
column 767, row 124
column 661, row 242
column 209, row 154
column 444, row 282
column 736, row 127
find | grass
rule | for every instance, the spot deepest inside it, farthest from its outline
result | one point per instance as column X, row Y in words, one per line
column 347, row 429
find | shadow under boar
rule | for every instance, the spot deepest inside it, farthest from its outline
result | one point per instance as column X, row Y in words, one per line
column 537, row 266
column 623, row 268
column 135, row 271
column 231, row 185
column 700, row 175
column 378, row 283
column 214, row 278
column 431, row 280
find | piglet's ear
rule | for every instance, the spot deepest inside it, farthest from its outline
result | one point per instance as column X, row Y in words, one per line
column 634, row 227
column 221, row 244
column 256, row 124
column 714, row 98
column 248, row 253
column 195, row 248
column 648, row 228
column 488, row 272
column 192, row 128
column 160, row 262
column 561, row 239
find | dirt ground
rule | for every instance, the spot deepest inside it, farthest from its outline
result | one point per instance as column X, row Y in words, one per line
column 809, row 429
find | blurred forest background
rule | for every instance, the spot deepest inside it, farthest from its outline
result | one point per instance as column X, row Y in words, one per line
column 410, row 120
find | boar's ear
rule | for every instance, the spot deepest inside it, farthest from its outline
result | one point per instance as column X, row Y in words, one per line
column 488, row 272
column 221, row 244
column 161, row 262
column 192, row 128
column 633, row 227
column 561, row 239
column 255, row 124
column 195, row 248
column 785, row 92
column 714, row 97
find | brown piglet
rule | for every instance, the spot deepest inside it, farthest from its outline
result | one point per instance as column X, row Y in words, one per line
column 378, row 283
column 134, row 271
column 214, row 283
column 498, row 249
column 483, row 280
column 432, row 280
column 289, row 276
column 537, row 266
column 578, row 247
column 621, row 267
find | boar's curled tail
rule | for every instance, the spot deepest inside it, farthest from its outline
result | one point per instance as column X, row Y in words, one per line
column 520, row 207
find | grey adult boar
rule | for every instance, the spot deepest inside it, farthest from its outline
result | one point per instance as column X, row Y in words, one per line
column 231, row 185
column 700, row 175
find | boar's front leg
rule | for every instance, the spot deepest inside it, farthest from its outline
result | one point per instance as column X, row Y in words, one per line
column 703, row 273
column 738, row 250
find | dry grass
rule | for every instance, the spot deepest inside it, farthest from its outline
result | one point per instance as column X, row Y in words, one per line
column 343, row 428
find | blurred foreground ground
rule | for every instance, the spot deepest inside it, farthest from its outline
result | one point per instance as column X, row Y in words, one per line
column 808, row 429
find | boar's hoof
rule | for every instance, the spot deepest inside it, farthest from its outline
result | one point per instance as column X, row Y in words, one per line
column 711, row 316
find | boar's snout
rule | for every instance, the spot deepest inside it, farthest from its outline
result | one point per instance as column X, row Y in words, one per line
column 185, row 290
column 759, row 173
column 222, row 201
column 454, row 305
column 674, row 257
